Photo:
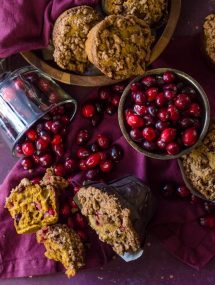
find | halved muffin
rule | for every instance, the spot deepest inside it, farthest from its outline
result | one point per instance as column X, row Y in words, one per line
column 109, row 218
column 69, row 36
column 64, row 245
column 209, row 36
column 120, row 46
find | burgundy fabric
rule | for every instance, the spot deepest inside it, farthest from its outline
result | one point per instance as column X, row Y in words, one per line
column 27, row 24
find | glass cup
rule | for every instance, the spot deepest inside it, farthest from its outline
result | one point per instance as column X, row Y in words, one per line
column 27, row 95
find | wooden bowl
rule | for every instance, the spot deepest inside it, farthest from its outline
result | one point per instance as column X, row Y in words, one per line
column 49, row 67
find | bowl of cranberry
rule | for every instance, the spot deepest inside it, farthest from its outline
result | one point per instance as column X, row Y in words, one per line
column 164, row 114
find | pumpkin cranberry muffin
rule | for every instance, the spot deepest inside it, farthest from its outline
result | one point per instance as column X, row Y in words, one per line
column 149, row 10
column 109, row 219
column 120, row 46
column 64, row 245
column 69, row 36
column 199, row 166
column 209, row 36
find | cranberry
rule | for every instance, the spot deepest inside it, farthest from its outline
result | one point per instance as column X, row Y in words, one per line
column 57, row 139
column 72, row 203
column 136, row 86
column 197, row 123
column 174, row 114
column 36, row 158
column 182, row 101
column 149, row 81
column 171, row 87
column 83, row 153
column 116, row 152
column 99, row 105
column 59, row 169
column 161, row 145
column 70, row 164
column 163, row 114
column 82, row 164
column 104, row 93
column 82, row 137
column 168, row 135
column 92, row 174
column 27, row 163
column 168, row 77
column 160, row 99
column 118, row 87
column 19, row 149
column 70, row 223
column 58, row 149
column 19, row 83
column 94, row 147
column 140, row 110
column 135, row 121
column 88, row 110
column 110, row 109
column 46, row 160
column 36, row 180
column 46, row 136
column 195, row 110
column 43, row 84
column 106, row 166
column 96, row 120
column 149, row 134
column 139, row 98
column 8, row 93
column 149, row 120
column 82, row 235
column 65, row 210
column 168, row 190
column 115, row 100
column 152, row 93
column 173, row 148
column 28, row 148
column 208, row 221
column 80, row 221
column 48, row 125
column 169, row 94
column 183, row 191
column 159, row 81
column 76, row 189
column 149, row 146
column 53, row 98
column 189, row 137
column 152, row 110
column 40, row 127
column 93, row 160
column 41, row 144
column 136, row 135
column 186, row 123
column 162, row 125
column 103, row 141
column 56, row 127
column 31, row 135
column 128, row 112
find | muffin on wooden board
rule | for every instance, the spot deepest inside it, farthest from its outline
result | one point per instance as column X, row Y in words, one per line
column 209, row 36
column 119, row 46
column 69, row 36
column 64, row 245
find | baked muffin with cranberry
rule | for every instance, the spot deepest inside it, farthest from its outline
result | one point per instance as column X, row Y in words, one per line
column 119, row 46
column 64, row 245
column 69, row 36
column 209, row 36
column 109, row 218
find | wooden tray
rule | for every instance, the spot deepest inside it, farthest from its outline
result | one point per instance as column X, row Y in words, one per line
column 35, row 59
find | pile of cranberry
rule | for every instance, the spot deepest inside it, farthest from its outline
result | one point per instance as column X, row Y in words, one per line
column 164, row 114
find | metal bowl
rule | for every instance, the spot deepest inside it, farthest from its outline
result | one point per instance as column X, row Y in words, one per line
column 203, row 99
column 163, row 37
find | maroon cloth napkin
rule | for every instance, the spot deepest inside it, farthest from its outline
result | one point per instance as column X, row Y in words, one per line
column 27, row 24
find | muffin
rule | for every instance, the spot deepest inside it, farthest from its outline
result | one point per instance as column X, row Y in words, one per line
column 64, row 245
column 209, row 36
column 119, row 46
column 32, row 206
column 149, row 10
column 110, row 220
column 199, row 166
column 69, row 36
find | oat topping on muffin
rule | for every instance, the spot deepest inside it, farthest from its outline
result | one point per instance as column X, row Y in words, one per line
column 209, row 33
column 69, row 36
column 120, row 46
column 109, row 219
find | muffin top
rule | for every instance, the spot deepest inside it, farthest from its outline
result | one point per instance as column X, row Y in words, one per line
column 209, row 33
column 120, row 46
column 69, row 36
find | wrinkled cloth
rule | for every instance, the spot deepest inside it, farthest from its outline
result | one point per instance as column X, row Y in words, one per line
column 27, row 24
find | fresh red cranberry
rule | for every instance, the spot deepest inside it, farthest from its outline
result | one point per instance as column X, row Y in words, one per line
column 41, row 144
column 169, row 94
column 72, row 203
column 43, row 84
column 115, row 100
column 168, row 135
column 189, row 137
column 58, row 149
column 152, row 93
column 116, row 152
column 152, row 110
column 173, row 148
column 19, row 149
column 53, row 98
column 135, row 121
column 104, row 93
column 83, row 153
column 110, row 109
column 163, row 115
column 106, row 166
column 70, row 164
column 82, row 137
column 103, row 141
column 207, row 221
column 149, row 134
column 150, row 146
column 197, row 123
column 195, row 110
column 80, row 221
column 136, row 135
column 183, row 191
column 70, row 223
column 136, row 86
column 56, row 127
column 174, row 114
column 94, row 147
column 128, row 112
column 140, row 110
column 19, row 83
column 100, row 106
column 28, row 148
column 65, row 120
column 171, row 87
column 36, row 158
column 36, row 180
column 65, row 210
column 48, row 125
column 82, row 164
column 93, row 160
column 186, row 123
column 162, row 125
column 40, row 127
column 57, row 139
column 182, row 101
column 160, row 99
column 92, row 174
column 149, row 81
column 139, row 98
column 46, row 136
column 168, row 190
column 161, row 145
column 31, row 135
column 83, row 235
column 27, row 163
column 168, row 77
column 46, row 160
column 88, row 110
column 149, row 120
column 59, row 169
column 96, row 120
column 119, row 87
